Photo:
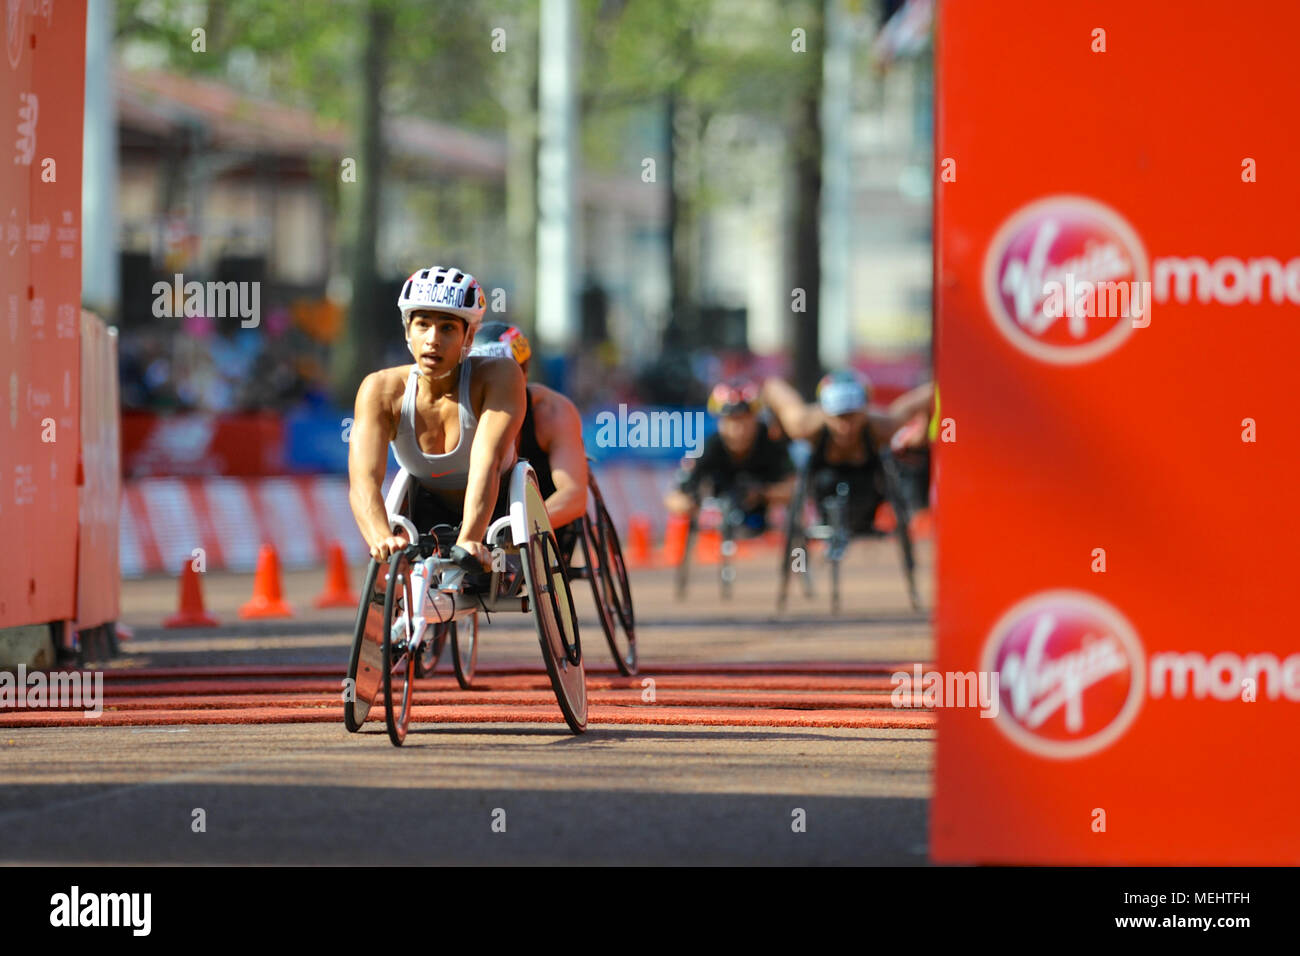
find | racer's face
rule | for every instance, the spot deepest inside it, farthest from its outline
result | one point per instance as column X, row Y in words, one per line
column 845, row 428
column 437, row 341
column 738, row 431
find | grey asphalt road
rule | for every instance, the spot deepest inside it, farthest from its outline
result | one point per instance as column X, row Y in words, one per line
column 475, row 794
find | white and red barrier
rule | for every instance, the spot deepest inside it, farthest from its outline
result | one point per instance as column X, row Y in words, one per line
column 99, row 478
column 165, row 519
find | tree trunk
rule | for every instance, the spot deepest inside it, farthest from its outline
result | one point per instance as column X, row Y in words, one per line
column 678, row 324
column 521, row 172
column 806, row 140
column 368, row 327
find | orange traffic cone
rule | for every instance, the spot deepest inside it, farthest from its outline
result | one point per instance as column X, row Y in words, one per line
column 638, row 541
column 191, row 612
column 709, row 550
column 885, row 520
column 268, row 600
column 675, row 534
column 336, row 593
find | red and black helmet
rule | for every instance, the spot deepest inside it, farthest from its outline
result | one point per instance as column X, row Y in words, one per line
column 734, row 398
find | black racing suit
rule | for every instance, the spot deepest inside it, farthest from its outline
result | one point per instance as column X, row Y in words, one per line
column 767, row 462
column 866, row 481
column 567, row 536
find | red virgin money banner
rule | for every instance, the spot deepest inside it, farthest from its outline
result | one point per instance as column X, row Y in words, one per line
column 1118, row 310
column 202, row 444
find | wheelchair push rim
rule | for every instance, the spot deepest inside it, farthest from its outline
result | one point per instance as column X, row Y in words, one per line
column 431, row 649
column 398, row 663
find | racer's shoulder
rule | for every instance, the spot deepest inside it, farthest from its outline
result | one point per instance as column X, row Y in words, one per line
column 496, row 368
column 548, row 402
column 384, row 383
column 497, row 375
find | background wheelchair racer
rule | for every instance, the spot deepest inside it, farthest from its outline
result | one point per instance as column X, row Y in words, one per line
column 845, row 436
column 550, row 435
column 741, row 463
column 550, row 440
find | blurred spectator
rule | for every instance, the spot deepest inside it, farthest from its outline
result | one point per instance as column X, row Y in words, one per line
column 216, row 365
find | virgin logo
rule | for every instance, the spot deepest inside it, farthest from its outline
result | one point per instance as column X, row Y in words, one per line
column 14, row 31
column 1055, row 241
column 1070, row 673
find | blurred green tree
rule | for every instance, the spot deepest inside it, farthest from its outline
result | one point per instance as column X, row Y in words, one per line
column 689, row 62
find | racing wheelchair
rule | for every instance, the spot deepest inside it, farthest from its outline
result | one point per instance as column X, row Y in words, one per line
column 829, row 520
column 430, row 584
column 726, row 514
column 603, row 565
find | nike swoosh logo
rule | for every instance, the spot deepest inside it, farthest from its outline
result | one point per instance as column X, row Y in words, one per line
column 442, row 474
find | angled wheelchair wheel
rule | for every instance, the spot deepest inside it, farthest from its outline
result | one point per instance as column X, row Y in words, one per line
column 398, row 661
column 727, row 570
column 839, row 541
column 593, row 572
column 614, row 592
column 431, row 650
column 464, row 649
column 902, row 526
column 365, row 664
column 794, row 538
column 547, row 578
column 684, row 566
column 835, row 585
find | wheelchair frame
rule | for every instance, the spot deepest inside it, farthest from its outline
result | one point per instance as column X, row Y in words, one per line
column 422, row 586
column 837, row 533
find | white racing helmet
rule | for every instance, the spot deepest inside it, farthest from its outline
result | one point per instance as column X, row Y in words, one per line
column 441, row 289
column 842, row 392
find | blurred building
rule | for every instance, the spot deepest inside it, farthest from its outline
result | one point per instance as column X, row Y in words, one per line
column 220, row 185
column 216, row 185
column 214, row 182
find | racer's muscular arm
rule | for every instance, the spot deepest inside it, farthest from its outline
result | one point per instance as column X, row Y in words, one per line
column 559, row 433
column 919, row 399
column 372, row 428
column 494, row 442
column 901, row 409
column 797, row 417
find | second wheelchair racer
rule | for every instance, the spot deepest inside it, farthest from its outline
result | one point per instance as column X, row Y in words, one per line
column 740, row 462
column 550, row 436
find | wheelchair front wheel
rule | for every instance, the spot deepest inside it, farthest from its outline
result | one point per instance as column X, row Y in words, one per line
column 464, row 649
column 399, row 663
column 431, row 650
